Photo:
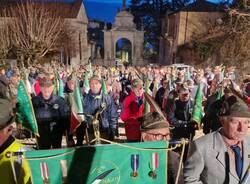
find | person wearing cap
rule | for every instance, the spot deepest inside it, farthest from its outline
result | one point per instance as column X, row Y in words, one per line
column 180, row 77
column 68, row 96
column 3, row 83
column 155, row 128
column 222, row 156
column 179, row 115
column 132, row 110
column 173, row 94
column 33, row 74
column 95, row 100
column 9, row 145
column 162, row 94
column 213, row 105
column 13, row 84
column 52, row 114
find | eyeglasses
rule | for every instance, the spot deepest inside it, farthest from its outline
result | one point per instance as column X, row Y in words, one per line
column 160, row 136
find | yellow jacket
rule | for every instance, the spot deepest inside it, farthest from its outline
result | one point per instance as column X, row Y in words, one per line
column 20, row 166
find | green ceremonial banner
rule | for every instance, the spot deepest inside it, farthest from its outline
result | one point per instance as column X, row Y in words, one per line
column 104, row 87
column 187, row 74
column 197, row 111
column 105, row 164
column 25, row 111
column 219, row 92
column 59, row 86
column 86, row 83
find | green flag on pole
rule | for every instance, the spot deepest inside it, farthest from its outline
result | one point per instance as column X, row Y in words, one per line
column 86, row 83
column 59, row 86
column 104, row 87
column 219, row 92
column 187, row 74
column 146, row 104
column 197, row 111
column 25, row 111
column 90, row 70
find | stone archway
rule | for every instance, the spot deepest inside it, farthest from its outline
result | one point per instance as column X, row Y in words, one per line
column 123, row 51
column 124, row 27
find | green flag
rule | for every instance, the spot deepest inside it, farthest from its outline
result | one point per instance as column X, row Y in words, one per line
column 106, row 164
column 219, row 92
column 187, row 74
column 197, row 111
column 104, row 87
column 25, row 111
column 86, row 83
column 59, row 86
column 90, row 70
column 146, row 104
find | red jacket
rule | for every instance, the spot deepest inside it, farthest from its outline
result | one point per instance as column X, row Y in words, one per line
column 248, row 102
column 131, row 112
column 37, row 88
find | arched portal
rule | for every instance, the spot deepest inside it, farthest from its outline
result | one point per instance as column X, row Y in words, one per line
column 124, row 27
column 123, row 52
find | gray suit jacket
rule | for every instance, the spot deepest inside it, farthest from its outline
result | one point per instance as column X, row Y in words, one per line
column 208, row 161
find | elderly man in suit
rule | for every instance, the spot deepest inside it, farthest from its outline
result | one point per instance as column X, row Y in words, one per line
column 224, row 155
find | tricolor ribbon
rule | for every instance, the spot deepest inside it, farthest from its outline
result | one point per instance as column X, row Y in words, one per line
column 134, row 164
column 154, row 165
column 44, row 172
column 155, row 161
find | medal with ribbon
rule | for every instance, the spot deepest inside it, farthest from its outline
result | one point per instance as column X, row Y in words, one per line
column 154, row 165
column 134, row 165
column 44, row 172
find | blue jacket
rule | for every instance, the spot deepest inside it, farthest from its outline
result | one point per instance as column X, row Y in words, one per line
column 92, row 103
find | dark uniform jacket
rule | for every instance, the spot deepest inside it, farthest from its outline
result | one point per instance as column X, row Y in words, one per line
column 159, row 96
column 179, row 115
column 53, row 110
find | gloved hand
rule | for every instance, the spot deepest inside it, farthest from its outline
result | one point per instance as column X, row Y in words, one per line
column 193, row 125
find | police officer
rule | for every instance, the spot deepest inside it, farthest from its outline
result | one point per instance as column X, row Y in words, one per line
column 52, row 114
column 8, row 145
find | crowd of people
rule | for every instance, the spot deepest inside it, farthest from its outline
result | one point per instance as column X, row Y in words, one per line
column 221, row 156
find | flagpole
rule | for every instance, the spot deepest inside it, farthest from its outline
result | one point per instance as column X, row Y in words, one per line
column 37, row 142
